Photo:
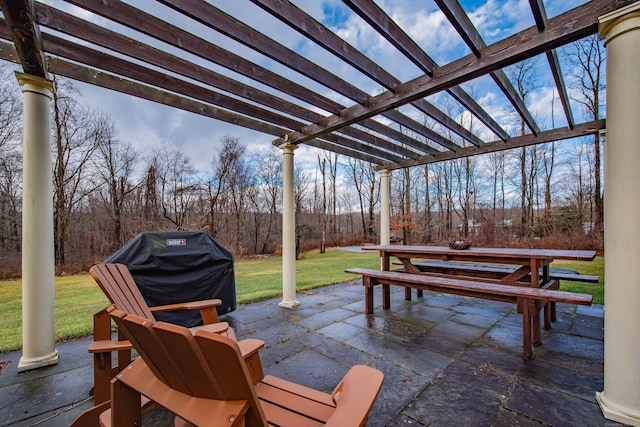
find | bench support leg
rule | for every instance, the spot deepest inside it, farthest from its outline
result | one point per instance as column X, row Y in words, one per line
column 368, row 294
column 527, row 347
column 407, row 293
column 386, row 296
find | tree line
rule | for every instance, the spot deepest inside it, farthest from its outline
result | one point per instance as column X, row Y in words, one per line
column 105, row 191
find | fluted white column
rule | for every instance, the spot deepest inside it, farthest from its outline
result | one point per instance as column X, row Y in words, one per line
column 38, row 265
column 288, row 230
column 385, row 222
column 620, row 400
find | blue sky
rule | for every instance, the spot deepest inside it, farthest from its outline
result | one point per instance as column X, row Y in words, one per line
column 144, row 124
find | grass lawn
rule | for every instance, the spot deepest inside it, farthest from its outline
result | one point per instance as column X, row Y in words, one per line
column 78, row 297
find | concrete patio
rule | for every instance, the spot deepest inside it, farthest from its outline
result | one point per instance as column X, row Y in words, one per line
column 447, row 361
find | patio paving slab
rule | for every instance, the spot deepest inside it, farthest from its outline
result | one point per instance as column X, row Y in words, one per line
column 447, row 361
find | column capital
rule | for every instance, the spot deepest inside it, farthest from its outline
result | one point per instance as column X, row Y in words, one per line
column 609, row 24
column 30, row 82
column 287, row 148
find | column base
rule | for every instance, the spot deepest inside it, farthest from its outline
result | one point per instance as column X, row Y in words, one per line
column 614, row 412
column 289, row 304
column 29, row 363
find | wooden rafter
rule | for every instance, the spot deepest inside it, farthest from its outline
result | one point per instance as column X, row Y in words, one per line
column 321, row 35
column 18, row 15
column 583, row 129
column 257, row 98
column 562, row 29
column 392, row 32
column 461, row 22
column 540, row 16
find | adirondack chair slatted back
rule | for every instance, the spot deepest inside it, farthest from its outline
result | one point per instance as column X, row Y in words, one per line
column 118, row 285
column 224, row 360
column 176, row 362
column 207, row 365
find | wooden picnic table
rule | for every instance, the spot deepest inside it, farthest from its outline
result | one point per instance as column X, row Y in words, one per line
column 532, row 265
column 521, row 267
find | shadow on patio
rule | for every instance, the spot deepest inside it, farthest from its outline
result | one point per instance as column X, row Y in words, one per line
column 447, row 360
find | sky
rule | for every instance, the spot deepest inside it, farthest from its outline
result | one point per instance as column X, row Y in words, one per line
column 144, row 124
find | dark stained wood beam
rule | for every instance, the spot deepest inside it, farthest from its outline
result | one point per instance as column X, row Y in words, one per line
column 540, row 16
column 387, row 28
column 554, row 64
column 539, row 13
column 130, row 70
column 66, row 23
column 570, row 26
column 462, row 23
column 217, row 20
column 19, row 17
column 138, row 20
column 559, row 134
column 98, row 78
column 291, row 15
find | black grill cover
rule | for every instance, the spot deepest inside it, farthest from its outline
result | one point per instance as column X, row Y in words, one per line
column 178, row 266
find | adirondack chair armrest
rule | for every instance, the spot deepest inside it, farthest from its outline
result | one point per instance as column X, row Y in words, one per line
column 249, row 348
column 207, row 309
column 104, row 346
column 355, row 395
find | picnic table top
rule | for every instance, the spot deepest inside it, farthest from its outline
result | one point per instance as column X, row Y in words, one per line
column 574, row 255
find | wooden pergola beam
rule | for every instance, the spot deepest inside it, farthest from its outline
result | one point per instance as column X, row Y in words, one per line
column 562, row 29
column 19, row 15
column 540, row 16
column 138, row 20
column 315, row 31
column 373, row 15
column 461, row 22
column 559, row 134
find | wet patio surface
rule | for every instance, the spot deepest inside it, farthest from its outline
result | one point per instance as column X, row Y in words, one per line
column 447, row 360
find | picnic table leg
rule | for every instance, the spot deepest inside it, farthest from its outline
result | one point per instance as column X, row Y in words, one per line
column 547, row 315
column 419, row 293
column 386, row 296
column 368, row 294
column 407, row 293
column 535, row 323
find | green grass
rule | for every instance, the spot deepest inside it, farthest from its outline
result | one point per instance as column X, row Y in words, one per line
column 78, row 297
column 594, row 268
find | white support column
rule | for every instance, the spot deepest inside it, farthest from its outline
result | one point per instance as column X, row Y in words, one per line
column 38, row 264
column 385, row 222
column 288, row 230
column 620, row 400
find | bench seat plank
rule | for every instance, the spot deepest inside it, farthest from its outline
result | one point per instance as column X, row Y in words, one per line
column 494, row 271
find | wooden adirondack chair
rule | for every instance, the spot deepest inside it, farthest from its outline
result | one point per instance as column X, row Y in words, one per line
column 204, row 380
column 118, row 285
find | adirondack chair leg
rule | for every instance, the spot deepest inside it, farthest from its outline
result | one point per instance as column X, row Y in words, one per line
column 125, row 405
column 102, row 370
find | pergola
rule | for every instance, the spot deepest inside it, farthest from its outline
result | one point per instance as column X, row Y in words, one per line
column 152, row 51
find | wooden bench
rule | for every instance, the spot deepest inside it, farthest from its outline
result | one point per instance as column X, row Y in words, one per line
column 493, row 271
column 529, row 300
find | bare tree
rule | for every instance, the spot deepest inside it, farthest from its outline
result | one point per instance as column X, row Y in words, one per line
column 523, row 76
column 78, row 132
column 178, row 185
column 115, row 163
column 10, row 162
column 364, row 179
column 587, row 58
